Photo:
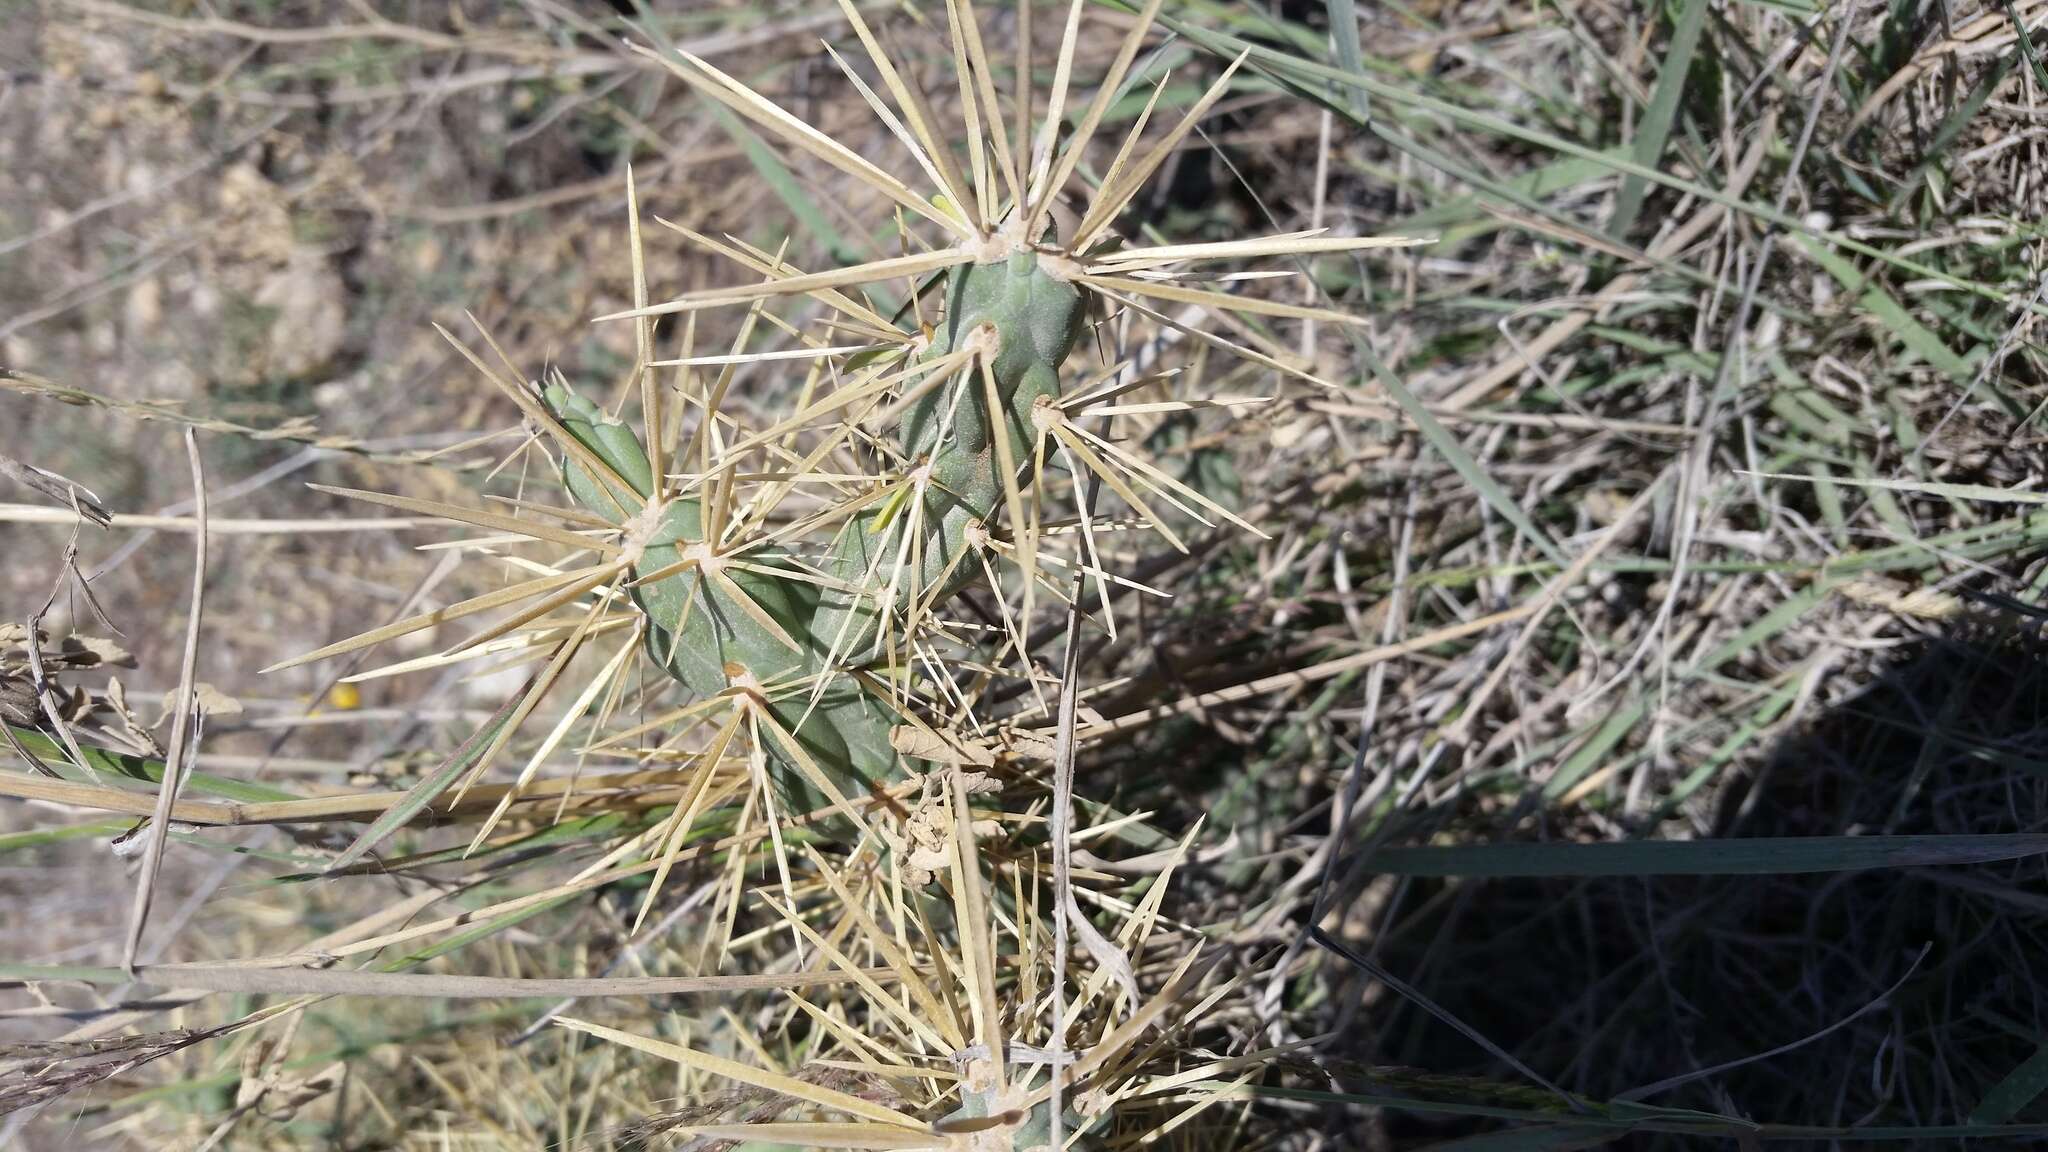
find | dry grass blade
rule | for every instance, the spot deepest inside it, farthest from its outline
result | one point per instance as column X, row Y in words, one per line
column 184, row 738
column 67, row 493
column 298, row 431
column 644, row 789
column 219, row 526
column 977, row 932
column 262, row 979
column 1310, row 674
column 744, row 1074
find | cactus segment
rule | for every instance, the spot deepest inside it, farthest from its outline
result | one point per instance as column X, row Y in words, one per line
column 701, row 633
column 612, row 442
column 1036, row 320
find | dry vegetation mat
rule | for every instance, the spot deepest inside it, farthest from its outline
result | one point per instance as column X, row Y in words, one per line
column 1092, row 575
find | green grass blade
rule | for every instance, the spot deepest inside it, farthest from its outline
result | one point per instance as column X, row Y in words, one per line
column 1350, row 56
column 1610, row 734
column 1654, row 131
column 142, row 768
column 2019, row 1088
column 1957, row 120
column 1453, row 452
column 2027, row 48
column 1914, row 335
column 1543, row 1138
column 1763, row 856
column 436, row 782
column 37, row 837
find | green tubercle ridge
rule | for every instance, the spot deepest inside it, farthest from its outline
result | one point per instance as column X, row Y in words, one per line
column 705, row 638
column 1035, row 319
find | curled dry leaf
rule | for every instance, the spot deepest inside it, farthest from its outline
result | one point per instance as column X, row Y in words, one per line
column 207, row 699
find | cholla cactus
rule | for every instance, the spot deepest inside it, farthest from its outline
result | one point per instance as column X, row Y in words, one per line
column 814, row 631
column 821, row 635
column 810, row 630
column 771, row 621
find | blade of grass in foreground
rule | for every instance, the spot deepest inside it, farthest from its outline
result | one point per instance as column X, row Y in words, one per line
column 1761, row 856
column 1627, row 1117
column 37, row 837
column 1655, row 129
column 2019, row 1088
column 1350, row 54
column 133, row 767
column 1535, row 1138
column 1985, row 492
column 436, row 782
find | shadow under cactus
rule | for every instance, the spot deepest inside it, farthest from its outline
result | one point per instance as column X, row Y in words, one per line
column 1883, row 997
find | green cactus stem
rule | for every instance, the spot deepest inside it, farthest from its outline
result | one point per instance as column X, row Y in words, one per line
column 716, row 626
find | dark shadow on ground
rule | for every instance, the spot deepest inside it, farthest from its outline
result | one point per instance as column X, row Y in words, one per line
column 1611, row 984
